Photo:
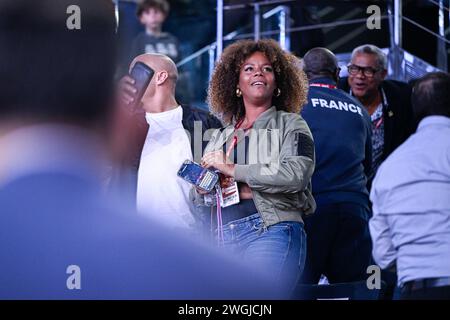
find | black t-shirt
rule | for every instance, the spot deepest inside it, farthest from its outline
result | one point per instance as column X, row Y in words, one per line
column 245, row 207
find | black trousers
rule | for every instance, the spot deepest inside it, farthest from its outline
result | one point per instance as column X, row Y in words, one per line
column 338, row 243
column 433, row 293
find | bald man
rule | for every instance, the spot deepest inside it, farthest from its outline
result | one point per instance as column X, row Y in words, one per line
column 338, row 239
column 165, row 139
column 165, row 78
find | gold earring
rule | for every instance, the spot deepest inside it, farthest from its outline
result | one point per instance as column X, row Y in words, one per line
column 238, row 93
column 278, row 92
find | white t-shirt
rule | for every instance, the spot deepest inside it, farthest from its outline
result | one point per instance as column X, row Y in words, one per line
column 161, row 194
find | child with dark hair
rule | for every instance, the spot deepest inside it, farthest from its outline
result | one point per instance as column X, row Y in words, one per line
column 152, row 14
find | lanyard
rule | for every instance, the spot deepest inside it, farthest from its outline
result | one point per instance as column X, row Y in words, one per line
column 323, row 85
column 379, row 122
column 220, row 240
column 235, row 137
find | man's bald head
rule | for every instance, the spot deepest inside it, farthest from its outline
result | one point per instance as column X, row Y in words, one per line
column 160, row 92
column 320, row 62
column 158, row 62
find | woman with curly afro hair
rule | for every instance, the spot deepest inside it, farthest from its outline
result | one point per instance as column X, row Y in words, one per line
column 267, row 152
column 292, row 84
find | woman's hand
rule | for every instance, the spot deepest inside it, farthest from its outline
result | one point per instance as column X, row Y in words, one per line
column 218, row 160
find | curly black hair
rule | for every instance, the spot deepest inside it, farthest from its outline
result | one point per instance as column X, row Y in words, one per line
column 289, row 77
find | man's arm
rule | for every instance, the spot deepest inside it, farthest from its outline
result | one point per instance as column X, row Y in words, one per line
column 383, row 251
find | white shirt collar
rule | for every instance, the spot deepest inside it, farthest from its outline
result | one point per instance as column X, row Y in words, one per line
column 177, row 111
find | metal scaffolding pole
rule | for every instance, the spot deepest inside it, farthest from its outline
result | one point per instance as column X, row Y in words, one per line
column 283, row 13
column 390, row 12
column 219, row 31
column 441, row 45
column 116, row 13
column 257, row 21
column 211, row 51
column 396, row 50
column 285, row 39
column 398, row 22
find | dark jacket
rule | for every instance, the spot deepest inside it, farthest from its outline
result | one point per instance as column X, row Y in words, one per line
column 397, row 114
column 342, row 134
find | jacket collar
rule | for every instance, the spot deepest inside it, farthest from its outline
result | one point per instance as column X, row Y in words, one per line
column 261, row 122
column 187, row 115
column 264, row 117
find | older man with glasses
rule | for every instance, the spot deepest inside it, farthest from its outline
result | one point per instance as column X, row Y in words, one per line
column 387, row 101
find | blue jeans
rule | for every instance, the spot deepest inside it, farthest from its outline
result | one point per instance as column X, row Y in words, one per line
column 279, row 250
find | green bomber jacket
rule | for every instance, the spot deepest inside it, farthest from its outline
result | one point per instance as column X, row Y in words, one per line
column 281, row 160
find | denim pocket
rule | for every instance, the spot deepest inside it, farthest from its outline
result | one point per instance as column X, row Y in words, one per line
column 296, row 235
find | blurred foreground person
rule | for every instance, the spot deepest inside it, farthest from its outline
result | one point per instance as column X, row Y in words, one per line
column 410, row 227
column 59, row 237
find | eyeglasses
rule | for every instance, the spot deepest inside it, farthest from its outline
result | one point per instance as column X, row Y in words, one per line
column 367, row 71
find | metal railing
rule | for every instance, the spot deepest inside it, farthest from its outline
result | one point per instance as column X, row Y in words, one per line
column 402, row 64
column 398, row 55
column 283, row 33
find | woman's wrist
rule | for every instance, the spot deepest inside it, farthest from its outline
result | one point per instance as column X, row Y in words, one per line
column 229, row 170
